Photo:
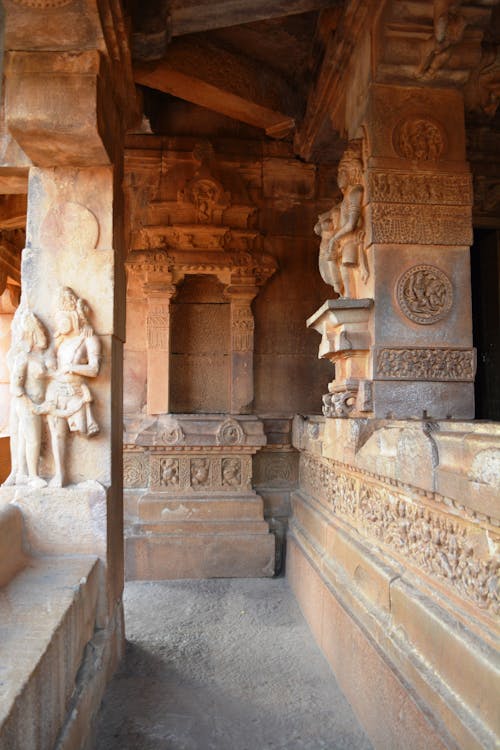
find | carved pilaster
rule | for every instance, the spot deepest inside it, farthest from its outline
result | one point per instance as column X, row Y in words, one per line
column 242, row 330
column 159, row 295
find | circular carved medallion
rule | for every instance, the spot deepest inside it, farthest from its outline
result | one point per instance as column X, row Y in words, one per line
column 419, row 139
column 69, row 224
column 424, row 294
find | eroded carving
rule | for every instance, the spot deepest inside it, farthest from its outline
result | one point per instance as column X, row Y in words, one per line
column 339, row 404
column 430, row 225
column 424, row 294
column 419, row 139
column 230, row 432
column 341, row 248
column 449, row 29
column 400, row 187
column 200, row 472
column 242, row 328
column 169, row 472
column 231, row 472
column 27, row 364
column 68, row 398
column 427, row 364
column 135, row 470
column 433, row 541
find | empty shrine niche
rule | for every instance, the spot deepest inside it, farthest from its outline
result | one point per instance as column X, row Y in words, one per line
column 200, row 347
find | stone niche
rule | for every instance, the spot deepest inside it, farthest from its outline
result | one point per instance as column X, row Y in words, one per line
column 194, row 268
column 200, row 347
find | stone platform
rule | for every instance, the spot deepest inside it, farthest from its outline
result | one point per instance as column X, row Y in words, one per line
column 190, row 510
column 211, row 537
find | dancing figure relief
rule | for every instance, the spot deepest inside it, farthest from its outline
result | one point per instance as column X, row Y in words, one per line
column 52, row 383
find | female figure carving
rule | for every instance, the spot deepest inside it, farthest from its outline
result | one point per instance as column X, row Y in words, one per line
column 28, row 371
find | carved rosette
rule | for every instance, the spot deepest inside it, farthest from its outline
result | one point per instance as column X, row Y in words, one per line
column 135, row 470
column 424, row 294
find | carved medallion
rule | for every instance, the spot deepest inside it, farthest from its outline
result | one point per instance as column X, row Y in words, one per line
column 70, row 224
column 230, row 433
column 171, row 435
column 424, row 294
column 419, row 139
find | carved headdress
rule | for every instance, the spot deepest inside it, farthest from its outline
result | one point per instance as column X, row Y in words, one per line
column 351, row 161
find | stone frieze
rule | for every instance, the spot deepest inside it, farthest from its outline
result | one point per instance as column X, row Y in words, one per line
column 415, row 363
column 442, row 545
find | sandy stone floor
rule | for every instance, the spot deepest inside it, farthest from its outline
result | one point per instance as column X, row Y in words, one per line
column 222, row 665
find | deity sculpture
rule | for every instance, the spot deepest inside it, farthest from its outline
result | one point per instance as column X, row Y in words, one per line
column 28, row 371
column 341, row 234
column 325, row 228
column 68, row 398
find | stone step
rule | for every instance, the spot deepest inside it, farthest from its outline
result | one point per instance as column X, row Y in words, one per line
column 188, row 526
column 47, row 617
column 172, row 556
column 159, row 507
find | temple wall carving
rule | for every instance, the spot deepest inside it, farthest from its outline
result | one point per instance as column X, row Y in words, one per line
column 401, row 521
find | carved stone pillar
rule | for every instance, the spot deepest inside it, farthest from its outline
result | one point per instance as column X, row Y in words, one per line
column 418, row 232
column 242, row 330
column 397, row 251
column 159, row 296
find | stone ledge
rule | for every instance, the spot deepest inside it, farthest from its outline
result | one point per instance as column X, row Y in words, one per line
column 12, row 557
column 358, row 637
column 47, row 616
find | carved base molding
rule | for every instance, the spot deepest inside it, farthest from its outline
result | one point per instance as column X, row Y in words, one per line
column 191, row 509
column 447, row 547
column 405, row 583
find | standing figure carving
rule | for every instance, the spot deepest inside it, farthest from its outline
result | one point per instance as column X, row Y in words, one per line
column 344, row 248
column 28, row 371
column 68, row 399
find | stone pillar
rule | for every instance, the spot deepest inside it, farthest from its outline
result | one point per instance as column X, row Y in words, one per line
column 59, row 112
column 242, row 334
column 396, row 250
column 418, row 232
column 159, row 296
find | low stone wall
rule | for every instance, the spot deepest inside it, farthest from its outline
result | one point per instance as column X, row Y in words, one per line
column 393, row 556
column 4, row 458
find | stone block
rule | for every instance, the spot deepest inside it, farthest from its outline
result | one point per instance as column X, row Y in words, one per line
column 47, row 617
column 199, row 555
column 70, row 520
column 353, row 655
column 288, row 182
column 469, row 667
column 12, row 556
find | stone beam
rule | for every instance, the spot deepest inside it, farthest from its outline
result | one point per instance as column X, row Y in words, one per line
column 203, row 15
column 13, row 210
column 326, row 102
column 230, row 84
